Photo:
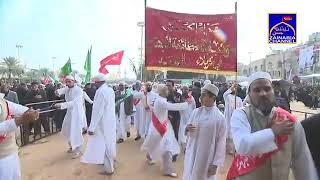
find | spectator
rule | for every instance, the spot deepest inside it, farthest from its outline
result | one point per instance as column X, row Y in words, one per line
column 9, row 95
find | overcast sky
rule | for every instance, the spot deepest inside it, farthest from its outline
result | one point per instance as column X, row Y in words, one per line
column 67, row 28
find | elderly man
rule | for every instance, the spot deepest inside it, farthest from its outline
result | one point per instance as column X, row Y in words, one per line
column 161, row 142
column 101, row 148
column 150, row 98
column 206, row 132
column 75, row 118
column 124, row 110
column 9, row 159
column 232, row 102
column 139, row 121
column 268, row 140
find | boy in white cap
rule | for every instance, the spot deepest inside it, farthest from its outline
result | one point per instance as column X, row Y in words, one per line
column 206, row 131
column 268, row 142
column 73, row 122
column 101, row 148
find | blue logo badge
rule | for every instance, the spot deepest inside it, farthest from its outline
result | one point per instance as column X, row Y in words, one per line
column 282, row 28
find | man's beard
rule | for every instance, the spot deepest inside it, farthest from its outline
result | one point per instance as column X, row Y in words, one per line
column 266, row 105
column 149, row 89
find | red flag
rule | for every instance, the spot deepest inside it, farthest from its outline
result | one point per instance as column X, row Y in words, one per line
column 103, row 70
column 113, row 59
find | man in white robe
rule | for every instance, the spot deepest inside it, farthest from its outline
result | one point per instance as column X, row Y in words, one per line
column 124, row 110
column 75, row 118
column 101, row 147
column 150, row 97
column 232, row 103
column 206, row 133
column 9, row 159
column 139, row 121
column 161, row 142
column 268, row 142
column 185, row 115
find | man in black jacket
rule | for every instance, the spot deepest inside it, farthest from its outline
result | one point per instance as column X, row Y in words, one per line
column 90, row 92
column 311, row 127
column 196, row 92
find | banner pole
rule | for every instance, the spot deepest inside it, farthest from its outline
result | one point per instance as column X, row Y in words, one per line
column 236, row 78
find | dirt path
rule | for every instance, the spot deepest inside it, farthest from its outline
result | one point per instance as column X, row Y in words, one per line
column 49, row 161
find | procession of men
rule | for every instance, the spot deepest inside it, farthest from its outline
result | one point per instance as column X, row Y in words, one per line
column 267, row 142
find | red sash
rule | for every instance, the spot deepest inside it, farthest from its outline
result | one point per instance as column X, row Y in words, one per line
column 161, row 127
column 4, row 136
column 243, row 164
column 136, row 101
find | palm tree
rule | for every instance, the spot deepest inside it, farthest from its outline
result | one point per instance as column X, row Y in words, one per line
column 11, row 67
column 45, row 72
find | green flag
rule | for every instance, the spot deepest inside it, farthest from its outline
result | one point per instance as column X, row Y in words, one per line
column 87, row 66
column 66, row 69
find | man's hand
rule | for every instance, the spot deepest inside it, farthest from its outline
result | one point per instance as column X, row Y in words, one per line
column 57, row 94
column 212, row 170
column 90, row 133
column 282, row 127
column 28, row 116
column 38, row 96
column 57, row 106
column 191, row 128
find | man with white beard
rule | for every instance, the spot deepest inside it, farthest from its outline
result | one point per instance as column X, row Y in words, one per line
column 101, row 148
column 161, row 142
column 9, row 159
column 206, row 131
column 75, row 118
column 139, row 121
column 150, row 98
column 232, row 102
column 185, row 115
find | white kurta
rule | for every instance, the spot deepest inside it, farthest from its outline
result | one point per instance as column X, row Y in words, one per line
column 206, row 146
column 263, row 141
column 123, row 122
column 155, row 145
column 139, row 120
column 102, row 145
column 150, row 99
column 185, row 115
column 75, row 119
column 10, row 165
column 231, row 103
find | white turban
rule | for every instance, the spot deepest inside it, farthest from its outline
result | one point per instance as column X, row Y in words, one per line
column 99, row 78
column 211, row 88
column 207, row 82
column 69, row 77
column 258, row 75
column 161, row 87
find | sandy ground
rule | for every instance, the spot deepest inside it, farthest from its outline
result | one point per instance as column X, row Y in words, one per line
column 48, row 160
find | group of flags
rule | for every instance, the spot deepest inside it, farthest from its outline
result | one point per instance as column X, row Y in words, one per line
column 113, row 59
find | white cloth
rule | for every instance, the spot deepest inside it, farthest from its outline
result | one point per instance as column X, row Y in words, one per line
column 185, row 115
column 75, row 119
column 257, row 75
column 211, row 88
column 230, row 106
column 10, row 165
column 102, row 144
column 155, row 145
column 149, row 101
column 206, row 146
column 263, row 141
column 139, row 120
column 305, row 57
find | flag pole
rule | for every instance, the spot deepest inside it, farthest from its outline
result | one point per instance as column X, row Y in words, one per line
column 236, row 78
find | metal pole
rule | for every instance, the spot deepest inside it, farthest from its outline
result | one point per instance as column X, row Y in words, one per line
column 141, row 51
column 250, row 62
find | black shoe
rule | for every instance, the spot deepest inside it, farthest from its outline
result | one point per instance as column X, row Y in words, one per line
column 128, row 134
column 120, row 141
column 84, row 132
column 137, row 138
column 174, row 158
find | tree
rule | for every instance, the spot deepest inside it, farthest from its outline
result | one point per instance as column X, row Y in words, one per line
column 11, row 67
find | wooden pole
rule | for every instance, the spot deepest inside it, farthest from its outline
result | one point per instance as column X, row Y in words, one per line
column 236, row 79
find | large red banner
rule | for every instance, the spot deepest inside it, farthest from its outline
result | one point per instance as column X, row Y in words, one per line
column 191, row 43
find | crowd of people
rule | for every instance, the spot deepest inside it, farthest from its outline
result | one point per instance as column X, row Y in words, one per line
column 205, row 121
